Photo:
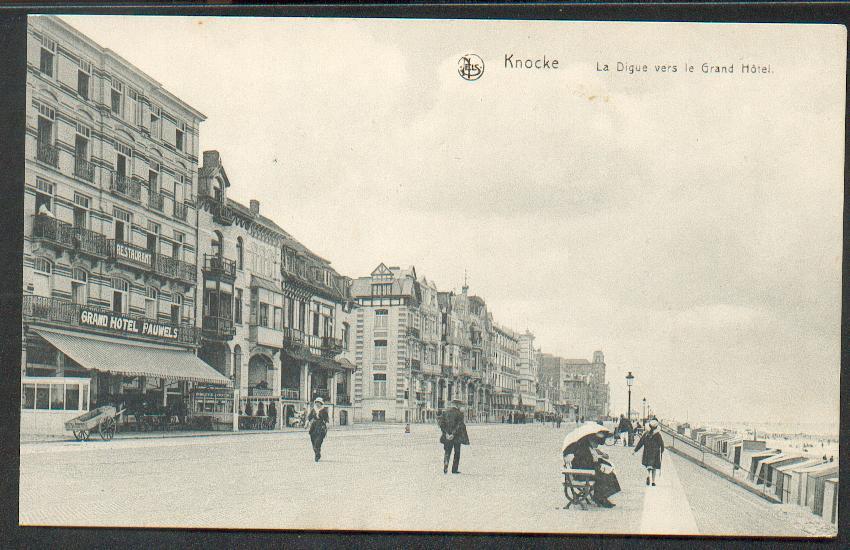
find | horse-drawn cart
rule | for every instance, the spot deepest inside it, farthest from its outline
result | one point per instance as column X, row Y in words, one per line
column 101, row 419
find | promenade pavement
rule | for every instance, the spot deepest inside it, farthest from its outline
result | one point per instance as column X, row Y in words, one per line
column 375, row 478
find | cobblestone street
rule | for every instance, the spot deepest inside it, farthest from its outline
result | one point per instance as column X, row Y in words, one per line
column 369, row 478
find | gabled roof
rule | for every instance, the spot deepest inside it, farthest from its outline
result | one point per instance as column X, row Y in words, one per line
column 382, row 269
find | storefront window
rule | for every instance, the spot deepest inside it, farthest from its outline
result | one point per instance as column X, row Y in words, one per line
column 85, row 406
column 42, row 397
column 72, row 396
column 28, row 396
column 57, row 397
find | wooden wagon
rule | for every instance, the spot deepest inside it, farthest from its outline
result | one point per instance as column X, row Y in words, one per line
column 101, row 419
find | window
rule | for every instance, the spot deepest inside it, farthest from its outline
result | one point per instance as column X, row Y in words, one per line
column 316, row 323
column 239, row 253
column 28, row 396
column 120, row 291
column 178, row 136
column 45, row 130
column 43, row 196
column 345, row 336
column 237, row 305
column 380, row 351
column 177, row 246
column 42, row 277
column 123, row 221
column 72, row 397
column 290, row 312
column 379, row 385
column 136, row 103
column 379, row 416
column 117, row 98
column 276, row 320
column 217, row 244
column 57, row 397
column 302, row 315
column 176, row 308
column 152, row 303
column 81, row 210
column 156, row 116
column 381, row 317
column 79, row 286
column 153, row 237
column 383, row 289
column 48, row 53
column 264, row 315
column 153, row 177
column 83, row 77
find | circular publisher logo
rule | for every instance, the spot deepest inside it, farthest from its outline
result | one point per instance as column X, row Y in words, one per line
column 470, row 67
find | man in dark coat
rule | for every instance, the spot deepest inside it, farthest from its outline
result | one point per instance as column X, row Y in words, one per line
column 653, row 446
column 453, row 435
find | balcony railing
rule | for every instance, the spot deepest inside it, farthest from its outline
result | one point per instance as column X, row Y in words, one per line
column 174, row 269
column 219, row 265
column 218, row 328
column 66, row 235
column 293, row 394
column 126, row 187
column 180, row 211
column 343, row 399
column 324, row 393
column 293, row 336
column 67, row 314
column 331, row 344
column 260, row 392
column 314, row 342
column 221, row 213
column 47, row 153
column 156, row 201
column 83, row 169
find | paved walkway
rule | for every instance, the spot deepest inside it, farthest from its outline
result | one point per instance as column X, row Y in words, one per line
column 374, row 478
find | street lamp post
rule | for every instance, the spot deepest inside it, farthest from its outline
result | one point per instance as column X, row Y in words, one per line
column 629, row 381
column 644, row 410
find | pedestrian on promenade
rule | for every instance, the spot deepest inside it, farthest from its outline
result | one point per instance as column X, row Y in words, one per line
column 653, row 447
column 559, row 420
column 623, row 429
column 317, row 421
column 453, row 435
column 272, row 415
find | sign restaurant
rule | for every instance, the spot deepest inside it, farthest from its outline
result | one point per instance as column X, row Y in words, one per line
column 126, row 325
column 133, row 254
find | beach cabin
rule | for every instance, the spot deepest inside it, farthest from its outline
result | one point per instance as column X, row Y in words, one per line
column 696, row 433
column 722, row 444
column 812, row 497
column 733, row 450
column 769, row 467
column 755, row 462
column 830, row 500
column 784, row 474
column 796, row 485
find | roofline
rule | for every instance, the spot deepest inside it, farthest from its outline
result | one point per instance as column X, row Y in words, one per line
column 64, row 25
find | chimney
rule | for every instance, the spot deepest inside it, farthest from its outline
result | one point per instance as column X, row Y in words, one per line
column 211, row 159
column 255, row 207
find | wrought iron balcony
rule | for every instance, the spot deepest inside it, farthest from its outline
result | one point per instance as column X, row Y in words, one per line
column 293, row 394
column 219, row 266
column 217, row 328
column 175, row 269
column 65, row 235
column 221, row 213
column 156, row 201
column 47, row 153
column 324, row 393
column 343, row 399
column 180, row 211
column 84, row 169
column 67, row 314
column 331, row 344
column 293, row 336
column 126, row 187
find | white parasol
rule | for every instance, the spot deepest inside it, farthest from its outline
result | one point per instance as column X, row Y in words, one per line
column 584, row 430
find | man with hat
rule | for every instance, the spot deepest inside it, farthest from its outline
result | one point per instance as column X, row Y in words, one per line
column 453, row 435
column 318, row 425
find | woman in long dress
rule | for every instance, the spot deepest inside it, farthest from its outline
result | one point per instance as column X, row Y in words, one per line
column 653, row 446
column 587, row 456
column 317, row 421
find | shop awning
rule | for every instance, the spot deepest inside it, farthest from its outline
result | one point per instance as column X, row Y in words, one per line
column 117, row 356
column 299, row 354
column 346, row 364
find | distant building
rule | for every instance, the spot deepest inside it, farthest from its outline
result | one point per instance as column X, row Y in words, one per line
column 582, row 383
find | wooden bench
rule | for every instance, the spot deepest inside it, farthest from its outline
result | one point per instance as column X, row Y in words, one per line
column 578, row 486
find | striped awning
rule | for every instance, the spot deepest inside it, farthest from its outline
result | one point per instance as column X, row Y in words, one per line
column 106, row 354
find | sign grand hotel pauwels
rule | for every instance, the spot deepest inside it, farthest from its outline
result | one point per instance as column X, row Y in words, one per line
column 126, row 325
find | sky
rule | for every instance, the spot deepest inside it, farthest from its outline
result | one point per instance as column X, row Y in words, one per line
column 687, row 224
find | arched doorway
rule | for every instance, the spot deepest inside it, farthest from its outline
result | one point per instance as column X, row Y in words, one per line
column 258, row 372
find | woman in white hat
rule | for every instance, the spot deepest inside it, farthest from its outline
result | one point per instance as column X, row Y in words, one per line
column 653, row 447
column 318, row 425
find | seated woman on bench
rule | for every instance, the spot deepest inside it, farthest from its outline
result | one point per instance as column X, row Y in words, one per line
column 586, row 455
